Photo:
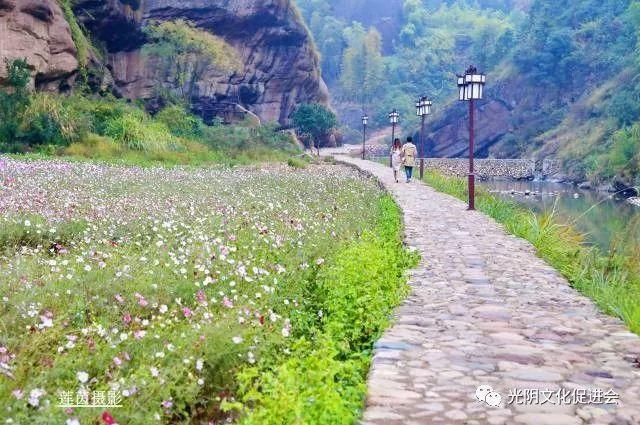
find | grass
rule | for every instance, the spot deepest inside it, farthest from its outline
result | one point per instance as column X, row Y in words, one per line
column 190, row 290
column 612, row 280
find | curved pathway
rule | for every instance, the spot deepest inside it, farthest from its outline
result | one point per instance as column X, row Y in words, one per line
column 485, row 310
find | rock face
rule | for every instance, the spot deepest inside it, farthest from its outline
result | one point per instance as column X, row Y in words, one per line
column 37, row 31
column 280, row 68
column 512, row 112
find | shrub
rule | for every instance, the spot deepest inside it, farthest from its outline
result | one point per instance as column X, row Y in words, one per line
column 180, row 122
column 49, row 121
column 314, row 119
column 12, row 103
column 138, row 132
column 296, row 163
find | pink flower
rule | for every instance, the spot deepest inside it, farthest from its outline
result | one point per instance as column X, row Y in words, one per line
column 108, row 419
column 139, row 334
column 119, row 298
column 126, row 318
column 201, row 297
column 142, row 302
column 227, row 302
column 187, row 312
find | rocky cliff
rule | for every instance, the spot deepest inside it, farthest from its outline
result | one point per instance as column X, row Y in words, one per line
column 36, row 30
column 500, row 123
column 279, row 66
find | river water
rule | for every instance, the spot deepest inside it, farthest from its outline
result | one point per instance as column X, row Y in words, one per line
column 603, row 219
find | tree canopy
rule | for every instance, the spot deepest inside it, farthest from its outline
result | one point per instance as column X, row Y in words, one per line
column 314, row 120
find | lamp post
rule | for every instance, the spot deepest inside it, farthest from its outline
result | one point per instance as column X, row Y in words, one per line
column 365, row 121
column 470, row 89
column 394, row 119
column 423, row 108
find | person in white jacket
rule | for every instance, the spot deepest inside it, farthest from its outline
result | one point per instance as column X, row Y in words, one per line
column 396, row 158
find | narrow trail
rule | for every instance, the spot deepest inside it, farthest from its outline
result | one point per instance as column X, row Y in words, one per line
column 485, row 310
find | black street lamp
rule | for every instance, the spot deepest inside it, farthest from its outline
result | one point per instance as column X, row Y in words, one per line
column 423, row 108
column 394, row 119
column 470, row 89
column 365, row 121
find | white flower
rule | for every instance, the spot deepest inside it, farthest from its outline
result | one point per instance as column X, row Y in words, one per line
column 27, row 223
column 83, row 377
column 163, row 309
column 199, row 364
column 73, row 421
column 154, row 372
column 34, row 396
column 47, row 322
column 285, row 332
column 236, row 339
column 201, row 382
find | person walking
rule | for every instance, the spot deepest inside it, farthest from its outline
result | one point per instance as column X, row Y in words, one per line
column 409, row 153
column 396, row 158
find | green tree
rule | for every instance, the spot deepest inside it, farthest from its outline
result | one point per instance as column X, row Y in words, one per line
column 13, row 101
column 362, row 64
column 313, row 121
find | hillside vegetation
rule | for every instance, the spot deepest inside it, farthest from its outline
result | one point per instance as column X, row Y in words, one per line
column 566, row 72
column 84, row 125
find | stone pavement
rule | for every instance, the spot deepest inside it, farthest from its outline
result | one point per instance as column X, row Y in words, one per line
column 485, row 310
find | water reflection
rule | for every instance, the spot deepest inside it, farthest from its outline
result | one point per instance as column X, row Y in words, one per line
column 603, row 218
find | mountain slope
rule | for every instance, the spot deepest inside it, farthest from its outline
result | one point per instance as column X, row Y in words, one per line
column 561, row 76
column 279, row 67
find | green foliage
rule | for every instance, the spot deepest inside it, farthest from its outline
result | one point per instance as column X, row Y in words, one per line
column 623, row 158
column 296, row 163
column 80, row 39
column 115, row 130
column 13, row 102
column 612, row 281
column 180, row 122
column 420, row 59
column 187, row 52
column 314, row 120
column 51, row 120
column 362, row 64
column 323, row 380
column 564, row 42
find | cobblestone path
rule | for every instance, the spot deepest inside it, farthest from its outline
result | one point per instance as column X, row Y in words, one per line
column 485, row 310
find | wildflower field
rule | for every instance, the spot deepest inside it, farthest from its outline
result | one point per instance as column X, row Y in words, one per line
column 191, row 295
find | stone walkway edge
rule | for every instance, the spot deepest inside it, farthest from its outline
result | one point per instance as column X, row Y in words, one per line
column 490, row 333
